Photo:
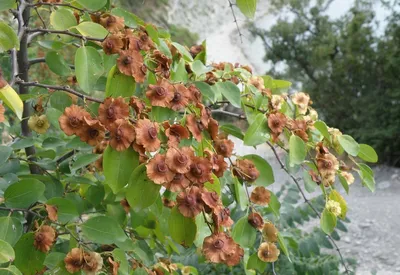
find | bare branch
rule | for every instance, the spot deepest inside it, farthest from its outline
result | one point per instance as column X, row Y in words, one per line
column 14, row 66
column 43, row 60
column 38, row 4
column 60, row 88
column 47, row 31
column 347, row 271
column 223, row 112
column 235, row 20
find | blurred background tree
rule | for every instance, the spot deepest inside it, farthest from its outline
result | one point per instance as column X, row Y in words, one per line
column 349, row 68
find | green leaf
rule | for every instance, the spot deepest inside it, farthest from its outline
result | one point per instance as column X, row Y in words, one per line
column 309, row 184
column 95, row 195
column 23, row 193
column 232, row 130
column 91, row 29
column 328, row 221
column 141, row 192
column 323, row 129
column 182, row 50
column 247, row 7
column 28, row 259
column 206, row 91
column 5, row 153
column 119, row 256
column 199, row 68
column 240, row 194
column 7, row 4
column 62, row 19
column 349, row 145
column 103, row 230
column 60, row 100
column 66, row 209
column 258, row 131
column 6, row 252
column 119, row 84
column 10, row 270
column 367, row 176
column 12, row 99
column 243, row 233
column 266, row 177
column 182, row 230
column 367, row 153
column 281, row 84
column 230, row 91
column 344, row 183
column 297, row 151
column 153, row 34
column 92, row 4
column 57, row 64
column 274, row 205
column 202, row 230
column 283, row 247
column 8, row 38
column 334, row 195
column 256, row 264
column 161, row 114
column 118, row 167
column 130, row 19
column 179, row 74
column 53, row 259
column 10, row 229
column 84, row 160
column 88, row 67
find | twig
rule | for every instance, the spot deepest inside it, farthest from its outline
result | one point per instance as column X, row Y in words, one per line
column 273, row 268
column 38, row 4
column 239, row 116
column 347, row 271
column 66, row 156
column 60, row 88
column 40, row 17
column 47, row 31
column 43, row 60
column 235, row 20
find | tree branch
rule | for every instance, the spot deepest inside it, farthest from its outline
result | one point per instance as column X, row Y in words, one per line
column 47, row 31
column 235, row 20
column 43, row 60
column 347, row 271
column 60, row 88
column 223, row 112
column 38, row 4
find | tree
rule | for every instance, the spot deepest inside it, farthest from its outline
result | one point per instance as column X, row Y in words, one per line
column 116, row 165
column 346, row 66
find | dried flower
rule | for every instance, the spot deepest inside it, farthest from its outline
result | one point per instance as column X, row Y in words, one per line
column 224, row 147
column 179, row 159
column 147, row 134
column 200, row 170
column 219, row 247
column 72, row 119
column 122, row 134
column 44, row 238
column 114, row 265
column 158, row 171
column 348, row 177
column 221, row 217
column 112, row 23
column 327, row 163
column 257, row 82
column 211, row 199
column 260, row 196
column 195, row 126
column 268, row 252
column 141, row 42
column 276, row 122
column 92, row 131
column 39, row 124
column 180, row 99
column 269, row 232
column 255, row 220
column 112, row 109
column 194, row 94
column 189, row 202
column 333, row 207
column 74, row 260
column 2, row 111
column 277, row 101
column 175, row 134
column 178, row 183
column 52, row 212
column 137, row 104
column 130, row 62
column 161, row 94
column 93, row 263
column 125, row 204
column 302, row 101
column 246, row 170
column 112, row 44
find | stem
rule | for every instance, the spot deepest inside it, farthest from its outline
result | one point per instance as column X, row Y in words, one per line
column 47, row 31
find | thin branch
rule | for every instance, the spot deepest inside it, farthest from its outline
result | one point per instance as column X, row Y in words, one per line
column 347, row 271
column 60, row 88
column 66, row 156
column 222, row 112
column 14, row 66
column 40, row 17
column 47, row 31
column 43, row 60
column 235, row 20
column 38, row 4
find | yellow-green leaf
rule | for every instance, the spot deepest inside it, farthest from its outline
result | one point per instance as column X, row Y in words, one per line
column 8, row 38
column 247, row 7
column 91, row 29
column 12, row 100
